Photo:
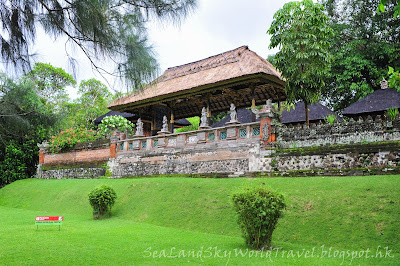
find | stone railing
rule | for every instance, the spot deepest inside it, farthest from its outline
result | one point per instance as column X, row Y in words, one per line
column 340, row 132
column 191, row 138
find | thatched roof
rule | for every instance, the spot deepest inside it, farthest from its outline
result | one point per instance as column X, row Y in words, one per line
column 230, row 71
column 244, row 116
column 316, row 112
column 378, row 101
column 181, row 122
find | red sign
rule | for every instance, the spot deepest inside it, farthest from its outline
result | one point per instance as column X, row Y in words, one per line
column 49, row 218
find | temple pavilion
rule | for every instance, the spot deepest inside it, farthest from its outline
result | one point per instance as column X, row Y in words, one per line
column 234, row 79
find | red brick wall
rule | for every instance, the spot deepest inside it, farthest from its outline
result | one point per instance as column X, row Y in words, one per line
column 77, row 157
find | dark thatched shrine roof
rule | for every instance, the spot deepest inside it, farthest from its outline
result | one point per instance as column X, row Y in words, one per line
column 222, row 78
column 244, row 116
column 181, row 122
column 316, row 112
column 111, row 113
column 379, row 100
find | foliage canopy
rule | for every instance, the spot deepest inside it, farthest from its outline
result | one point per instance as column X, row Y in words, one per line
column 301, row 31
column 364, row 45
column 101, row 29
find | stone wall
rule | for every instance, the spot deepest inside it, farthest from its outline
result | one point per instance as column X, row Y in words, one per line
column 341, row 132
column 322, row 149
column 338, row 160
column 71, row 173
column 228, row 157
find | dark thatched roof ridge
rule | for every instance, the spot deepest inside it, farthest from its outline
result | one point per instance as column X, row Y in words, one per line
column 379, row 100
column 111, row 113
column 316, row 112
column 244, row 116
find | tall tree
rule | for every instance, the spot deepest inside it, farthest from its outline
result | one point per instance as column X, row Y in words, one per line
column 364, row 45
column 92, row 103
column 102, row 29
column 25, row 120
column 49, row 83
column 301, row 31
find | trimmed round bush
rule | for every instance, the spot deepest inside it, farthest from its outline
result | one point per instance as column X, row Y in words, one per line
column 258, row 212
column 102, row 199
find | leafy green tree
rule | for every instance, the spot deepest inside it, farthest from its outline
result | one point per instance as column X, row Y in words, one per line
column 101, row 29
column 50, row 82
column 24, row 121
column 92, row 103
column 364, row 45
column 396, row 9
column 301, row 31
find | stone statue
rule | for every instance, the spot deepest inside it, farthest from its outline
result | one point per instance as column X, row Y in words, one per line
column 384, row 84
column 233, row 114
column 139, row 127
column 204, row 119
column 165, row 124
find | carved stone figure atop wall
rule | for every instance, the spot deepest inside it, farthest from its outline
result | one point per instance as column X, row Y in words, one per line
column 204, row 119
column 233, row 114
column 139, row 127
column 164, row 125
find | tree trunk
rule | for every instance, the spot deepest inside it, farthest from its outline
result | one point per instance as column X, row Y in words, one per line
column 306, row 109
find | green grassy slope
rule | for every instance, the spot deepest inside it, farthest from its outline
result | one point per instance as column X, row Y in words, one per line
column 345, row 213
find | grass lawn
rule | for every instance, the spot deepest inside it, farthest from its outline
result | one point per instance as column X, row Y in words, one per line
column 328, row 221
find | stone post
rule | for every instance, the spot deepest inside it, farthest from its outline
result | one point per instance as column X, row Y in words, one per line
column 42, row 151
column 113, row 145
column 267, row 133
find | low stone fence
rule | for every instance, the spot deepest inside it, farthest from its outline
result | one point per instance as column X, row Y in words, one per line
column 190, row 139
column 205, row 151
column 341, row 132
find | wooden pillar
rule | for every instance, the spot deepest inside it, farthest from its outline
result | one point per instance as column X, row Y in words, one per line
column 253, row 102
column 153, row 122
column 172, row 121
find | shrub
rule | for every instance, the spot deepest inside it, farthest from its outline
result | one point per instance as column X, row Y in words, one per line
column 67, row 138
column 392, row 113
column 102, row 199
column 330, row 119
column 115, row 122
column 258, row 212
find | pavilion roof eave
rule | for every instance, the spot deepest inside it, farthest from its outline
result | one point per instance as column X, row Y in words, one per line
column 257, row 77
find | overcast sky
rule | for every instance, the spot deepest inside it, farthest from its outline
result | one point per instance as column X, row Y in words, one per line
column 216, row 26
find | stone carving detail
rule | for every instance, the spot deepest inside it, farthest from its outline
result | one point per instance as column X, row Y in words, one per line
column 265, row 132
column 139, row 127
column 384, row 84
column 192, row 139
column 204, row 119
column 171, row 142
